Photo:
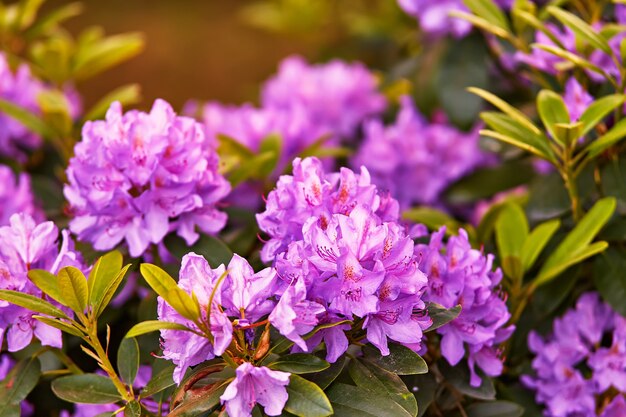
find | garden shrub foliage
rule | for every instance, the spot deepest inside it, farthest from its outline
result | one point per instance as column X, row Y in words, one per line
column 440, row 236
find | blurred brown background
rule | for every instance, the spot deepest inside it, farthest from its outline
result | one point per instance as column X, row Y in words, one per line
column 194, row 49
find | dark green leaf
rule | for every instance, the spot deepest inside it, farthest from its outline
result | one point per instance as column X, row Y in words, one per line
column 86, row 388
column 424, row 388
column 159, row 382
column 326, row 377
column 351, row 401
column 73, row 287
column 441, row 315
column 375, row 379
column 32, row 303
column 128, row 359
column 133, row 409
column 459, row 377
column 201, row 403
column 153, row 326
column 610, row 279
column 306, row 399
column 401, row 360
column 18, row 383
column 299, row 363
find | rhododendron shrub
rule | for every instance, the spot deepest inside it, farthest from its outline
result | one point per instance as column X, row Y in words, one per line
column 427, row 222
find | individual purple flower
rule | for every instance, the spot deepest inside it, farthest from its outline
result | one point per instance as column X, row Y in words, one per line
column 26, row 245
column 590, row 336
column 416, row 160
column 336, row 96
column 254, row 385
column 576, row 98
column 458, row 274
column 137, row 176
column 310, row 191
column 19, row 88
column 16, row 196
column 185, row 348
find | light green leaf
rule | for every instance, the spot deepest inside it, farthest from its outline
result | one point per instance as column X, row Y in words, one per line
column 102, row 273
column 153, row 326
column 109, row 290
column 536, row 241
column 610, row 138
column 598, row 110
column 61, row 325
column 100, row 55
column 28, row 119
column 506, row 108
column 580, row 28
column 489, row 11
column 33, row 303
column 160, row 281
column 571, row 57
column 547, row 274
column 127, row 95
column 73, row 287
column 552, row 111
column 480, row 23
column 47, row 283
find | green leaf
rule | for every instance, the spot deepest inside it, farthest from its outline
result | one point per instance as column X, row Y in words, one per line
column 552, row 111
column 375, row 379
column 102, row 273
column 99, row 55
column 458, row 376
column 18, row 383
column 536, row 241
column 489, row 11
column 213, row 249
column 47, row 283
column 598, row 110
column 29, row 120
column 326, row 377
column 53, row 19
column 610, row 138
column 506, row 108
column 160, row 281
column 273, row 145
column 58, row 324
column 183, row 303
column 153, row 326
column 351, row 401
column 495, row 409
column 575, row 247
column 609, row 277
column 33, row 303
column 73, row 287
column 511, row 233
column 431, row 218
column 86, row 389
column 299, row 363
column 27, row 12
column 425, row 387
column 480, row 23
column 514, row 133
column 127, row 95
column 159, row 382
column 580, row 28
column 306, row 399
column 128, row 359
column 537, row 24
column 132, row 409
column 109, row 290
column 441, row 315
column 571, row 57
column 401, row 360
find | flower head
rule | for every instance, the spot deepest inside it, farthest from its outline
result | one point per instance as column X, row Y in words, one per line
column 254, row 385
column 336, row 96
column 416, row 160
column 458, row 274
column 137, row 176
column 16, row 196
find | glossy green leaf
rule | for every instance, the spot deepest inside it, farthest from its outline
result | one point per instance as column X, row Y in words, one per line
column 86, row 389
column 47, row 283
column 536, row 241
column 381, row 382
column 506, row 108
column 441, row 315
column 128, row 359
column 511, row 233
column 515, row 133
column 575, row 247
column 101, row 275
column 61, row 325
column 153, row 326
column 326, row 377
column 32, row 303
column 401, row 360
column 183, row 303
column 598, row 110
column 610, row 138
column 552, row 111
column 18, row 383
column 73, row 287
column 299, row 363
column 580, row 28
column 351, row 401
column 109, row 290
column 160, row 281
column 306, row 399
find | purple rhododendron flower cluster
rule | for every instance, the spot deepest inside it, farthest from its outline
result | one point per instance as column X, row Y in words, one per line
column 311, row 192
column 16, row 196
column 22, row 89
column 336, row 96
column 590, row 336
column 416, row 160
column 460, row 275
column 26, row 245
column 137, row 176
